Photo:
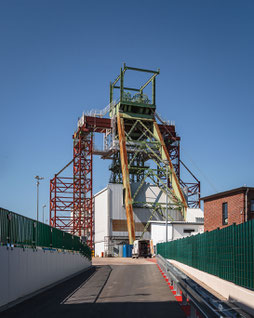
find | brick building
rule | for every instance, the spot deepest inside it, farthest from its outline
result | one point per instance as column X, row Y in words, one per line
column 225, row 208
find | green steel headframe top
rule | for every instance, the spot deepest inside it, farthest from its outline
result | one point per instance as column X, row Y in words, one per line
column 139, row 104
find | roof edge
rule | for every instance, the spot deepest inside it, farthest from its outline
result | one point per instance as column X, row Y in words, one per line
column 228, row 192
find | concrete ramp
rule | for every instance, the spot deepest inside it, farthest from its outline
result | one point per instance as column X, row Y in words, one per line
column 112, row 288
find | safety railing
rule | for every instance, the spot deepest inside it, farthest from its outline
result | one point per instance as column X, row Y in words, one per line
column 190, row 294
column 227, row 253
column 18, row 230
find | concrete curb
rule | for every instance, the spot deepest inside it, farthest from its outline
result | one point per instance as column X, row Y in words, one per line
column 243, row 297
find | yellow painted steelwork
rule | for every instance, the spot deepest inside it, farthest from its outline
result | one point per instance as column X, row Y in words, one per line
column 174, row 180
column 126, row 179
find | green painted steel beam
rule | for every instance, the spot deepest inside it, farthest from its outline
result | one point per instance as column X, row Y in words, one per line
column 152, row 204
column 149, row 81
column 134, row 115
column 130, row 103
column 121, row 84
column 128, row 88
column 153, row 91
column 116, row 80
column 141, row 70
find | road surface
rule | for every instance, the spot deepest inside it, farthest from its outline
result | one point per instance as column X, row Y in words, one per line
column 112, row 288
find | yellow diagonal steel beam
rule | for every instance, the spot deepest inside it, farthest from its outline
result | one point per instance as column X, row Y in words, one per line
column 126, row 179
column 175, row 183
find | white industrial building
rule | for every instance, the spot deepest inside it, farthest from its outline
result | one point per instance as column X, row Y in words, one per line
column 111, row 225
column 176, row 229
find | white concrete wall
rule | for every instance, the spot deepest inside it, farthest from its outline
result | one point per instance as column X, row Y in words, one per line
column 194, row 215
column 101, row 217
column 23, row 272
column 178, row 230
column 243, row 296
column 158, row 232
column 175, row 230
column 99, row 248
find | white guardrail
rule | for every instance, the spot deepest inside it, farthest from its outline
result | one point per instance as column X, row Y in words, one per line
column 200, row 300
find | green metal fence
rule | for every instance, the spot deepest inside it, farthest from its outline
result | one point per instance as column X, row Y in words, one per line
column 18, row 230
column 227, row 253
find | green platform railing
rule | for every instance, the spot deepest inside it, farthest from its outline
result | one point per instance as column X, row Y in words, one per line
column 18, row 230
column 227, row 253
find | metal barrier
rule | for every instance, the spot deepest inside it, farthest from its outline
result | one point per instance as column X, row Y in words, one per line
column 227, row 253
column 201, row 302
column 18, row 230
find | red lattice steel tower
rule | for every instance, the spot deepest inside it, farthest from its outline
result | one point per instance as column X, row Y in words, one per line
column 71, row 198
column 83, row 185
column 61, row 202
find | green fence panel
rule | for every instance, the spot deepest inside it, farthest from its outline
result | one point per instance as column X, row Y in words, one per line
column 3, row 226
column 18, row 230
column 43, row 235
column 227, row 253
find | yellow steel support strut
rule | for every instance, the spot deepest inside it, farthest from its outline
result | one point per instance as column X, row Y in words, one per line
column 126, row 179
column 175, row 183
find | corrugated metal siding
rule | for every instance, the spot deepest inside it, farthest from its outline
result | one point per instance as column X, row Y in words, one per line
column 149, row 193
column 116, row 211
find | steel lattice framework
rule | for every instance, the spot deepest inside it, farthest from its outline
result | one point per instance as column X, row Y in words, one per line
column 132, row 140
column 82, row 185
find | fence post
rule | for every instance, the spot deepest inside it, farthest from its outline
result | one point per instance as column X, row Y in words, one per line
column 233, row 253
column 9, row 217
column 34, row 234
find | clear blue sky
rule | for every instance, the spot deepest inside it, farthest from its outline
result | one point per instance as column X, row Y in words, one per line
column 57, row 58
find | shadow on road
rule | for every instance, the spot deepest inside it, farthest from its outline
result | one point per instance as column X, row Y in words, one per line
column 67, row 300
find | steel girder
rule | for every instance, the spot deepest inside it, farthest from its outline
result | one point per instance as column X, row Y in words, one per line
column 61, row 201
column 143, row 137
column 126, row 180
column 71, row 198
column 62, row 188
column 82, row 186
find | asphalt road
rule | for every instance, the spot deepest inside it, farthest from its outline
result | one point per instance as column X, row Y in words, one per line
column 113, row 288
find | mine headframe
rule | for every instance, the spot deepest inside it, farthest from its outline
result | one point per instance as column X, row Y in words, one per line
column 140, row 149
column 140, row 152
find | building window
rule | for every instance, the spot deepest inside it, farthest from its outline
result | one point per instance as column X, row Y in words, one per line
column 252, row 205
column 199, row 220
column 188, row 230
column 224, row 213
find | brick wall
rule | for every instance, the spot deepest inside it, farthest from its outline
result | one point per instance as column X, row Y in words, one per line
column 213, row 211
